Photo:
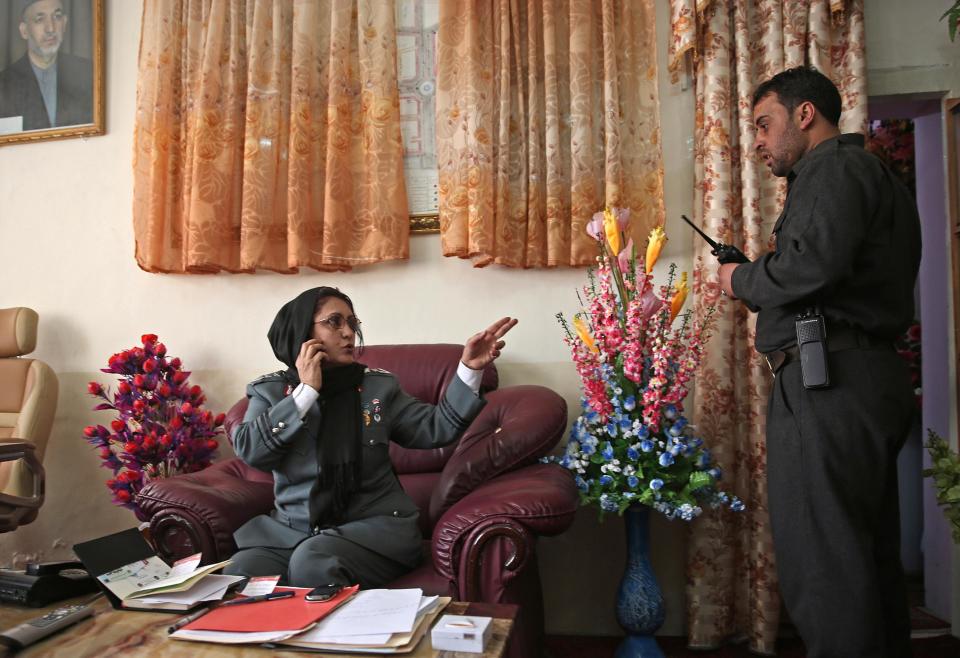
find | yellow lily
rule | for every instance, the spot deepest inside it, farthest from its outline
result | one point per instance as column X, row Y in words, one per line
column 612, row 229
column 654, row 245
column 584, row 333
column 679, row 297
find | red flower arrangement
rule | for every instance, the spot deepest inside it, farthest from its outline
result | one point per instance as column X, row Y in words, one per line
column 160, row 429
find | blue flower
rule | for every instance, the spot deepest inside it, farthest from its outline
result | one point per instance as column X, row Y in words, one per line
column 591, row 416
column 716, row 473
column 589, row 448
column 676, row 429
column 611, row 429
column 607, row 452
column 605, row 480
column 633, row 481
column 670, row 411
column 737, row 505
column 581, row 484
column 666, row 459
column 607, row 504
column 625, row 424
column 643, row 432
column 646, row 445
column 705, row 459
column 656, row 484
column 630, row 403
column 632, row 454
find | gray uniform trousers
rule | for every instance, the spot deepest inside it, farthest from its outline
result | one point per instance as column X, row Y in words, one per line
column 834, row 509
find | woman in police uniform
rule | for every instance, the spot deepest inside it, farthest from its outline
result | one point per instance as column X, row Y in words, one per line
column 322, row 427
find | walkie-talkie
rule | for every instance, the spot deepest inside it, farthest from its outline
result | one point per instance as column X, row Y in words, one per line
column 812, row 343
column 725, row 253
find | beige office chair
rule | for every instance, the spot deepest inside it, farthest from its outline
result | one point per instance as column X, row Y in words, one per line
column 28, row 400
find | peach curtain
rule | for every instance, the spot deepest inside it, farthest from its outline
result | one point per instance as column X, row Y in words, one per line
column 267, row 136
column 732, row 46
column 546, row 112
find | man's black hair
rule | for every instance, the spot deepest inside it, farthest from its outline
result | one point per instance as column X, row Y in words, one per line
column 803, row 83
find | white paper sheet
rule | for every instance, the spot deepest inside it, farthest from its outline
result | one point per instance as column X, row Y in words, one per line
column 210, row 588
column 370, row 612
column 225, row 637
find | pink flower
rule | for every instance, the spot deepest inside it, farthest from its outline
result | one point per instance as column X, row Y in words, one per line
column 626, row 256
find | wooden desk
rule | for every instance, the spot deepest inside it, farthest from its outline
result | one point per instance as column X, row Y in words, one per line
column 116, row 633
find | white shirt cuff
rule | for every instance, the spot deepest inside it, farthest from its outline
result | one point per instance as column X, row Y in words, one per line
column 304, row 396
column 470, row 377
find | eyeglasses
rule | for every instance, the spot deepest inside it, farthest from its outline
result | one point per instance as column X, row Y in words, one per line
column 336, row 321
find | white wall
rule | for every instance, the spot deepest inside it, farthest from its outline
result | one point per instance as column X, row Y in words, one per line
column 66, row 250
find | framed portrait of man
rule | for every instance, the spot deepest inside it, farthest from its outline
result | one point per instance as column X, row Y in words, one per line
column 51, row 69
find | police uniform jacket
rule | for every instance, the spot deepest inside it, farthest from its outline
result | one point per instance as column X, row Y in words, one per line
column 848, row 239
column 380, row 516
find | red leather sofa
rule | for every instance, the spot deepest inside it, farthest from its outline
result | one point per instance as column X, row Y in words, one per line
column 483, row 500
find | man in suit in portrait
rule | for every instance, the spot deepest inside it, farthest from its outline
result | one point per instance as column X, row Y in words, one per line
column 45, row 87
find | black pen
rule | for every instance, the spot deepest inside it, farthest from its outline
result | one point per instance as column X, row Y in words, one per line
column 263, row 597
column 183, row 621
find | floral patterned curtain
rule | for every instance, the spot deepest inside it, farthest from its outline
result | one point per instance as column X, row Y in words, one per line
column 546, row 112
column 268, row 136
column 732, row 46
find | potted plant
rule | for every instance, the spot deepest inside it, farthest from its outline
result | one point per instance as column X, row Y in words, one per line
column 161, row 428
column 632, row 449
column 945, row 471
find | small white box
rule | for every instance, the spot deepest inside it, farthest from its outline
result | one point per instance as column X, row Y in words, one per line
column 460, row 633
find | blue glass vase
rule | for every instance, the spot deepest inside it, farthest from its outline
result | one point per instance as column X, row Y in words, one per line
column 640, row 608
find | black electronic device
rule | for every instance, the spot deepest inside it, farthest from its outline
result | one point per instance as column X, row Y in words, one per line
column 35, row 630
column 323, row 592
column 812, row 343
column 725, row 253
column 47, row 584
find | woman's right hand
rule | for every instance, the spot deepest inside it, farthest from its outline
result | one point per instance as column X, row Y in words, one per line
column 310, row 362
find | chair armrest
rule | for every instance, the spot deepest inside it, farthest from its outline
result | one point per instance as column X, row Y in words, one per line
column 536, row 500
column 518, row 425
column 199, row 512
column 18, row 510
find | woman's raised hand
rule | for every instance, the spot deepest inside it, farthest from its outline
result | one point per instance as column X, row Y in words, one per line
column 483, row 348
column 309, row 363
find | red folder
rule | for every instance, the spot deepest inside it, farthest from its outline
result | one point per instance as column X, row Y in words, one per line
column 291, row 614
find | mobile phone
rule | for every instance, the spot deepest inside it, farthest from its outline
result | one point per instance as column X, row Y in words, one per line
column 323, row 592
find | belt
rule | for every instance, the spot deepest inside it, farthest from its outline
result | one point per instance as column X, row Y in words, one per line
column 838, row 339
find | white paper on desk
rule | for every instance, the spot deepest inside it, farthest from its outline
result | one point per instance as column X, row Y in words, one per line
column 184, row 566
column 228, row 637
column 370, row 612
column 210, row 588
column 427, row 603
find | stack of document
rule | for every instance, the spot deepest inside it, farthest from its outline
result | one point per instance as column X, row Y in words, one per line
column 128, row 570
column 374, row 621
column 212, row 587
column 263, row 621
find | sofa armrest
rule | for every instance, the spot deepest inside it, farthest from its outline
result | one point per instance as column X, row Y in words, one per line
column 517, row 507
column 199, row 512
column 518, row 425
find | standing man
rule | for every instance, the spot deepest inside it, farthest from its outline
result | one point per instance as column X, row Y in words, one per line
column 46, row 87
column 846, row 258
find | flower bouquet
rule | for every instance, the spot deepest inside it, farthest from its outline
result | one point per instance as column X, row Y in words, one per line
column 632, row 443
column 160, row 429
column 945, row 472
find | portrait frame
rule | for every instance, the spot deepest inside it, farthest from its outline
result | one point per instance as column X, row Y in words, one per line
column 97, row 126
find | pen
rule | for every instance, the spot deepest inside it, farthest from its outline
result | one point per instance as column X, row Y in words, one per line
column 183, row 621
column 263, row 597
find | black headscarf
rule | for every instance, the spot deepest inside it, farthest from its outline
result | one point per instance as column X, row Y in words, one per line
column 341, row 422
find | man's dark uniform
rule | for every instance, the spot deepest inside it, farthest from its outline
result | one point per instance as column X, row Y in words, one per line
column 20, row 93
column 849, row 240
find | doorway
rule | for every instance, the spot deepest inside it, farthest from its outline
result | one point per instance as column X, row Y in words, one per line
column 926, row 545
